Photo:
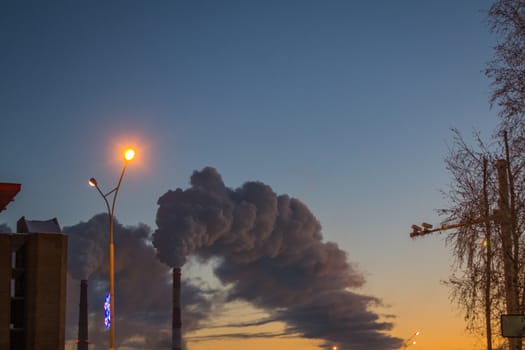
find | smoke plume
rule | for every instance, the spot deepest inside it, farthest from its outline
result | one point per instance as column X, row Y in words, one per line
column 86, row 246
column 142, row 287
column 271, row 253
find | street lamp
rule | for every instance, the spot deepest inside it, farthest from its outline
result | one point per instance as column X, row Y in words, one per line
column 129, row 154
column 410, row 340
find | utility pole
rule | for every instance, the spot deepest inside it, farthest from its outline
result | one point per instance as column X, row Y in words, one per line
column 488, row 258
column 509, row 265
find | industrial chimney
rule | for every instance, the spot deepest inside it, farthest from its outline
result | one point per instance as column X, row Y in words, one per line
column 176, row 315
column 82, row 341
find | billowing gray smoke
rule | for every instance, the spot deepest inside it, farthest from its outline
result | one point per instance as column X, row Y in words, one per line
column 142, row 287
column 271, row 252
column 87, row 245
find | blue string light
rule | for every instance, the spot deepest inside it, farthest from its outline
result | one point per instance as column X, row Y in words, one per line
column 107, row 313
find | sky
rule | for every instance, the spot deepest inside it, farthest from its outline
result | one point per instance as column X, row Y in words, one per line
column 343, row 106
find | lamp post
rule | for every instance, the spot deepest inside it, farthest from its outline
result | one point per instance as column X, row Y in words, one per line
column 129, row 154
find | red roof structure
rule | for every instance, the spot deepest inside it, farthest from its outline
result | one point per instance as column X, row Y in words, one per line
column 8, row 192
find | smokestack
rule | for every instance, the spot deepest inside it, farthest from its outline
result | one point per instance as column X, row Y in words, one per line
column 82, row 341
column 176, row 321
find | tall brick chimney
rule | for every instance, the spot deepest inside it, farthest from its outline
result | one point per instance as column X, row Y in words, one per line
column 82, row 341
column 176, row 315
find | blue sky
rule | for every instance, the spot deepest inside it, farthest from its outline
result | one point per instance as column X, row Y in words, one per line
column 345, row 105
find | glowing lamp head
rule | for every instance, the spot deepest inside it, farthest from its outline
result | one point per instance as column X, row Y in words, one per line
column 129, row 154
column 92, row 182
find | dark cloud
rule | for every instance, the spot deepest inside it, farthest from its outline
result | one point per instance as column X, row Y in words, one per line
column 250, row 335
column 271, row 253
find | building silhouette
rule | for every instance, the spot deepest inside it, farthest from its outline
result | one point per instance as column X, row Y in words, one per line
column 33, row 268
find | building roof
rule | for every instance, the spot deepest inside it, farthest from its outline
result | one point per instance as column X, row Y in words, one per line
column 38, row 226
column 8, row 192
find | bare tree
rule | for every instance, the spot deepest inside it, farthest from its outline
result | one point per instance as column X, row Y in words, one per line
column 489, row 276
column 507, row 69
column 476, row 281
